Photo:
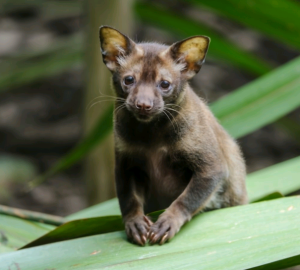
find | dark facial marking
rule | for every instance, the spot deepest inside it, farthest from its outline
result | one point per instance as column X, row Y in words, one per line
column 150, row 63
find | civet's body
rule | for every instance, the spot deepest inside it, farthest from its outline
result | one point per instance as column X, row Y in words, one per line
column 171, row 153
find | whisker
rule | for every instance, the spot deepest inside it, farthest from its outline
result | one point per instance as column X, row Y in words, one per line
column 113, row 98
column 169, row 119
column 174, row 120
column 119, row 108
column 104, row 95
column 170, row 105
column 97, row 102
column 181, row 114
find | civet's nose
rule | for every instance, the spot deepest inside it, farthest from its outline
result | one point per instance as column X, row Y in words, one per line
column 144, row 105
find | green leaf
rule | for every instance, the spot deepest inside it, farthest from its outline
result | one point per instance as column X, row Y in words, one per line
column 100, row 131
column 16, row 232
column 260, row 102
column 84, row 227
column 277, row 19
column 283, row 177
column 282, row 264
column 261, row 186
column 271, row 196
column 79, row 228
column 220, row 48
column 240, row 237
column 110, row 207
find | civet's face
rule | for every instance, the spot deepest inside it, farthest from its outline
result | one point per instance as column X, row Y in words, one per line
column 150, row 76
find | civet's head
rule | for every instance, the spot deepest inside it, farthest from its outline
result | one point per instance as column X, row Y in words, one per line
column 150, row 76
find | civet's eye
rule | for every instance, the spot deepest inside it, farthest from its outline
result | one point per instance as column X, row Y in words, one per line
column 165, row 85
column 128, row 80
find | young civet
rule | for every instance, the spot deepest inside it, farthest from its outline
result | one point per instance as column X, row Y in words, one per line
column 171, row 153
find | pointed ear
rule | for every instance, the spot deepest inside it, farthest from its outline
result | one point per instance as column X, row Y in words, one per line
column 190, row 52
column 113, row 46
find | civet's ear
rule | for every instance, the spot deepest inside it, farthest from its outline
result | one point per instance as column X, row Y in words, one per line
column 190, row 52
column 114, row 45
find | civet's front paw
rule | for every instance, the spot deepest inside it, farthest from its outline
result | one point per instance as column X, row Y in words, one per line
column 137, row 229
column 167, row 225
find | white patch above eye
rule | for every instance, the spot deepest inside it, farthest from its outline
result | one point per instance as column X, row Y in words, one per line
column 180, row 67
column 121, row 61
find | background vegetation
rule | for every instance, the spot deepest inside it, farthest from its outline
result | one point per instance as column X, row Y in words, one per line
column 55, row 125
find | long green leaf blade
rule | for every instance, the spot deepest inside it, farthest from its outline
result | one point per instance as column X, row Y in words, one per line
column 260, row 102
column 276, row 19
column 219, row 47
column 272, row 196
column 283, row 177
column 282, row 264
column 240, row 237
column 84, row 227
column 79, row 228
column 110, row 207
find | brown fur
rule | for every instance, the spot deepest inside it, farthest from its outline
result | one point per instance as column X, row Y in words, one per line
column 170, row 150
